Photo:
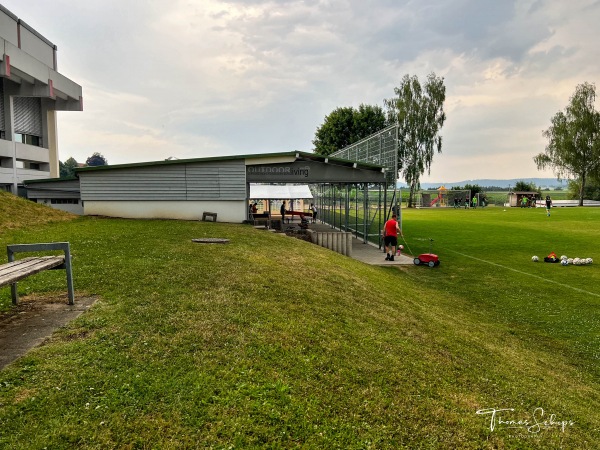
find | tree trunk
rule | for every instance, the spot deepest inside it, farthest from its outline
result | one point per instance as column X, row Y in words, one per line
column 411, row 195
column 581, row 190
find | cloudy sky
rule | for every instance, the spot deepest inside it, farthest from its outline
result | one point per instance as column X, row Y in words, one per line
column 197, row 78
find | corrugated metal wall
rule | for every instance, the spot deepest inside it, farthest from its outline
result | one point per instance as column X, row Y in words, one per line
column 222, row 180
column 62, row 189
column 143, row 183
column 38, row 194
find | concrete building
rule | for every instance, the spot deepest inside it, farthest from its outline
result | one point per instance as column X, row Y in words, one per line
column 31, row 92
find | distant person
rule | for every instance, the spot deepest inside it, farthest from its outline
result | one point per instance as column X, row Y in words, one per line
column 303, row 222
column 474, row 201
column 548, row 205
column 282, row 212
column 466, row 202
column 390, row 237
column 313, row 209
column 456, row 202
column 254, row 208
column 523, row 202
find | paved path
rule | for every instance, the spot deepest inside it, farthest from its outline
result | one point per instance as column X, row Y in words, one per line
column 368, row 253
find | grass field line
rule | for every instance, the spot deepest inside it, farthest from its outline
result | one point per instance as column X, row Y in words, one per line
column 526, row 273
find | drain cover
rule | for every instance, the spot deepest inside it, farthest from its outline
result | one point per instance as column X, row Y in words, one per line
column 211, row 241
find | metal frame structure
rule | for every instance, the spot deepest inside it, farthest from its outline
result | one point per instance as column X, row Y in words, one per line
column 380, row 148
column 356, row 208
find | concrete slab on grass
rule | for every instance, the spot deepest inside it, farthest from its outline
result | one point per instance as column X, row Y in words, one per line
column 32, row 321
column 369, row 254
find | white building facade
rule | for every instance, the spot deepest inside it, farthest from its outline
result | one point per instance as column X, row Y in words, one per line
column 31, row 92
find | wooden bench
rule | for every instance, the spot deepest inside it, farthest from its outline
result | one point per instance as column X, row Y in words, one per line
column 16, row 270
column 258, row 218
column 206, row 215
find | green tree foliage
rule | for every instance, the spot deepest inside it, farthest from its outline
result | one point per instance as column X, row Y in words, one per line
column 67, row 169
column 574, row 139
column 419, row 112
column 474, row 188
column 523, row 186
column 590, row 192
column 346, row 125
column 368, row 119
column 96, row 160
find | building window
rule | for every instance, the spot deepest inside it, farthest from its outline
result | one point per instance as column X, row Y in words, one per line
column 31, row 165
column 64, row 201
column 28, row 139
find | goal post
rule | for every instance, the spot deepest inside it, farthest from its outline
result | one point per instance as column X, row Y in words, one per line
column 443, row 198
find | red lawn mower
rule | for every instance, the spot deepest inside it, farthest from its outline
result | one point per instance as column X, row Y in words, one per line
column 430, row 259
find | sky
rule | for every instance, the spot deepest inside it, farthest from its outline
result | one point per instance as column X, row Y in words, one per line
column 202, row 78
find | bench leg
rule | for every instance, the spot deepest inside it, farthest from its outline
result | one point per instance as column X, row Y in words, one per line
column 14, row 293
column 69, row 275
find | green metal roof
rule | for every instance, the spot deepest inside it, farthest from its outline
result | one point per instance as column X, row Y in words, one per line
column 297, row 154
column 49, row 180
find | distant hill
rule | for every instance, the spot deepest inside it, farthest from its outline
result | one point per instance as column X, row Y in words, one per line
column 541, row 182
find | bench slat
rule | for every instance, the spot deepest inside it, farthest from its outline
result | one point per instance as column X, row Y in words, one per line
column 17, row 270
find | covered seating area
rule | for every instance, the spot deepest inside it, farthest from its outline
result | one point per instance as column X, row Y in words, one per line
column 523, row 199
column 328, row 178
column 266, row 201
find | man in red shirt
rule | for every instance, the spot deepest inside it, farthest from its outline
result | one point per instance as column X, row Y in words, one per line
column 390, row 237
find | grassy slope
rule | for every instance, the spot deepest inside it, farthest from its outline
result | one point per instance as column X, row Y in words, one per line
column 16, row 212
column 270, row 341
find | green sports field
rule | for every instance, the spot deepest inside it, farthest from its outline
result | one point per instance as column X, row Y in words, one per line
column 272, row 342
column 486, row 259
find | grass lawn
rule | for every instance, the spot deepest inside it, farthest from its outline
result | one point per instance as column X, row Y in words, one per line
column 272, row 342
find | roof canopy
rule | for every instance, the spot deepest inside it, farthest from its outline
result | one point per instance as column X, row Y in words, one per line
column 278, row 192
column 287, row 167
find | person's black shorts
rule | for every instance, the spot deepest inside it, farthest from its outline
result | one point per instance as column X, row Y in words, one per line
column 390, row 241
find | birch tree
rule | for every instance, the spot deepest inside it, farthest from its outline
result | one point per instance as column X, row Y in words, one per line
column 419, row 112
column 573, row 148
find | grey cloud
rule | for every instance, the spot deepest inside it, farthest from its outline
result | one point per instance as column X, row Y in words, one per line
column 486, row 28
column 257, row 76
